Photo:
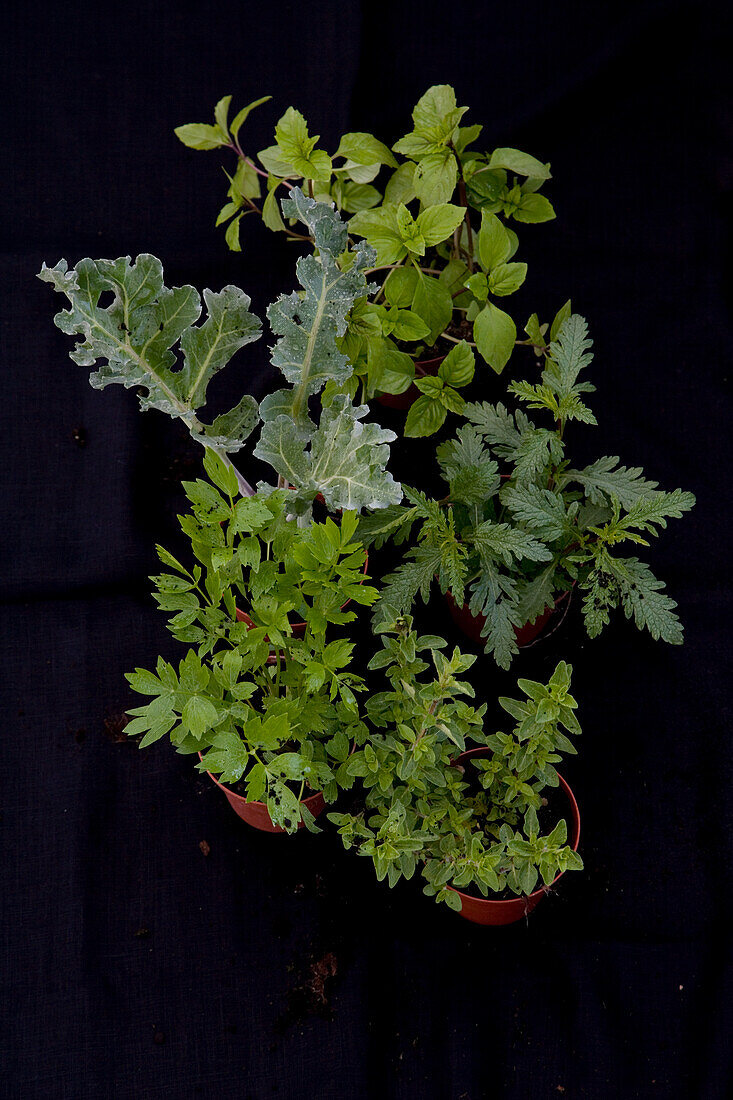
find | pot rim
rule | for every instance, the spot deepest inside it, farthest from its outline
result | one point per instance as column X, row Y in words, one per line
column 255, row 802
column 541, row 890
column 429, row 362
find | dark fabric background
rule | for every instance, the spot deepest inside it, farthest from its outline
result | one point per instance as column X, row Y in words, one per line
column 136, row 966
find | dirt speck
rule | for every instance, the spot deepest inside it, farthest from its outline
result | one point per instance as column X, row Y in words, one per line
column 79, row 435
column 320, row 971
column 310, row 996
column 205, row 847
column 114, row 727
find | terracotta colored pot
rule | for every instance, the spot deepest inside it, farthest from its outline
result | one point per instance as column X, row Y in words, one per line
column 409, row 397
column 485, row 911
column 256, row 813
column 472, row 625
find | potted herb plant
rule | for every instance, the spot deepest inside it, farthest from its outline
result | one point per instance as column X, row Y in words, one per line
column 270, row 711
column 266, row 694
column 440, row 279
column 147, row 337
column 472, row 821
column 520, row 525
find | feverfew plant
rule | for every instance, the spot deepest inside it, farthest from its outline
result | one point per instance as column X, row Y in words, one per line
column 520, row 525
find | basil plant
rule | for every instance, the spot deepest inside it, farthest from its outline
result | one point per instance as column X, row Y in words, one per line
column 433, row 209
column 267, row 696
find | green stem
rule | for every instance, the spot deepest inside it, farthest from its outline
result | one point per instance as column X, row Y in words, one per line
column 454, row 340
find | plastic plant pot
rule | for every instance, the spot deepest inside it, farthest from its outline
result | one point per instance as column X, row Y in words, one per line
column 257, row 815
column 407, row 399
column 508, row 911
column 472, row 625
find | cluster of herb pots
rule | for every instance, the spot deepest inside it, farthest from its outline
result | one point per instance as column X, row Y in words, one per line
column 392, row 274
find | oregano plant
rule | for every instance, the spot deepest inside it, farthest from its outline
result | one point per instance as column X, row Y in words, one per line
column 469, row 827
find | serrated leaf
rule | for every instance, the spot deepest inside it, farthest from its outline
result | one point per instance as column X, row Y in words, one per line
column 250, row 514
column 605, row 479
column 497, row 425
column 436, row 107
column 425, row 416
column 199, row 135
column 409, row 231
column 432, row 302
column 457, row 369
column 134, row 336
column 505, row 543
column 493, row 242
column 536, row 595
column 365, row 149
column 243, row 115
column 495, row 333
column 199, row 715
column 231, row 430
column 308, row 325
column 298, row 147
column 534, row 208
column 521, row 163
column 346, row 461
column 435, row 178
column 222, row 475
column 539, row 509
column 468, row 467
column 436, row 223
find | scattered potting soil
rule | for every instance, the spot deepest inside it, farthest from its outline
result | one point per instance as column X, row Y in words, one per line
column 311, row 992
column 114, row 727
